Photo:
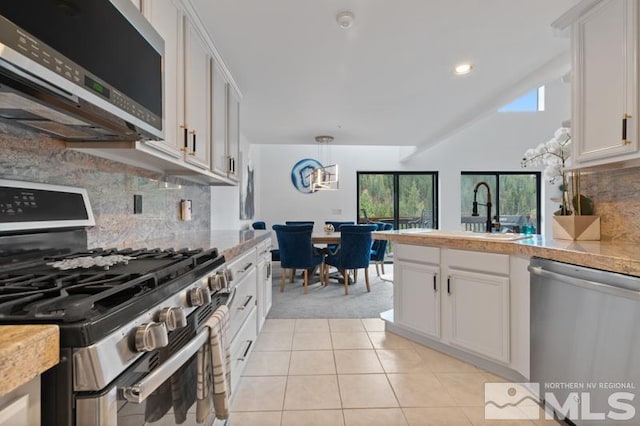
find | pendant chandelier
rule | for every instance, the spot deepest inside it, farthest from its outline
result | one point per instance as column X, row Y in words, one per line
column 326, row 177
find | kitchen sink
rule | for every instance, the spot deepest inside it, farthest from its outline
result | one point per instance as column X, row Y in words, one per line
column 477, row 235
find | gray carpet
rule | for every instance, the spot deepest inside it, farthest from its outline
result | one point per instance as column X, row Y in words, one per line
column 330, row 301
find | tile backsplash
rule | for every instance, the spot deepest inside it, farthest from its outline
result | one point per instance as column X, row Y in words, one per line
column 616, row 199
column 111, row 186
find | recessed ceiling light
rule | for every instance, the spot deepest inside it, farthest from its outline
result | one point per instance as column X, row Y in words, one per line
column 345, row 19
column 462, row 69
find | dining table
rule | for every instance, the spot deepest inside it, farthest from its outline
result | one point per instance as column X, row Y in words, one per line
column 325, row 238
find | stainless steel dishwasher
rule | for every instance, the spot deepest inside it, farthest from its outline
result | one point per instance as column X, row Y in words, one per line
column 585, row 342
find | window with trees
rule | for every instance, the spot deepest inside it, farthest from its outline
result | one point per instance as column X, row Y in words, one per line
column 515, row 199
column 406, row 199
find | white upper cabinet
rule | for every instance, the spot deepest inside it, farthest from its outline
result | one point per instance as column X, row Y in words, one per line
column 605, row 100
column 233, row 132
column 197, row 98
column 219, row 159
column 167, row 18
column 226, row 126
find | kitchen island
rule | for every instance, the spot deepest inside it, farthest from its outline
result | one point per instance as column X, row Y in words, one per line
column 613, row 256
column 26, row 351
column 468, row 295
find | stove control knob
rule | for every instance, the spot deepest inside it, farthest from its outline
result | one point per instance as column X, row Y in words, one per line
column 199, row 296
column 218, row 281
column 150, row 336
column 173, row 318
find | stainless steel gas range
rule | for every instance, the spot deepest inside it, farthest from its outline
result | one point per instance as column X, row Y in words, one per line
column 131, row 321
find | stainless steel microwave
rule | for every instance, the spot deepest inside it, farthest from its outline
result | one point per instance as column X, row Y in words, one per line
column 81, row 70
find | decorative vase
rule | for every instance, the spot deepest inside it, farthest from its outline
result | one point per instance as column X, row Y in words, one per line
column 578, row 228
column 328, row 228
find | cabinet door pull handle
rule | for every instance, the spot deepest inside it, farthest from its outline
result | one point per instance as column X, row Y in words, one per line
column 448, row 285
column 194, row 142
column 434, row 283
column 186, row 139
column 624, row 129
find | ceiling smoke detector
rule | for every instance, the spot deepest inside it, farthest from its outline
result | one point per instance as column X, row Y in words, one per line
column 324, row 139
column 345, row 19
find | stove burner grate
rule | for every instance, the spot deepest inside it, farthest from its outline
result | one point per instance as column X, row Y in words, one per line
column 43, row 293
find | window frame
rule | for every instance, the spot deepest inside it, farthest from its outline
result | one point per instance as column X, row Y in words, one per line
column 496, row 197
column 396, row 193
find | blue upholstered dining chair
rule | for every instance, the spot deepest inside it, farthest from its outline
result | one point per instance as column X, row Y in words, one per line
column 354, row 252
column 259, row 225
column 299, row 222
column 296, row 251
column 336, row 227
column 275, row 253
column 379, row 248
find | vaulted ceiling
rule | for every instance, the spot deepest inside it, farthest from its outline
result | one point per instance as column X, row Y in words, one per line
column 388, row 79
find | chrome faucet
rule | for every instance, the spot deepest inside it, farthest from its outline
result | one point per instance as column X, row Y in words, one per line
column 488, row 203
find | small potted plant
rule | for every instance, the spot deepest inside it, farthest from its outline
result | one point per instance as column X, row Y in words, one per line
column 574, row 219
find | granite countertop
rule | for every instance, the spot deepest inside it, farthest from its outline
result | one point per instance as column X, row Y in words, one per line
column 606, row 255
column 26, row 351
column 230, row 243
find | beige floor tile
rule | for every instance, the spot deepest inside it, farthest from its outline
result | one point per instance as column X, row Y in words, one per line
column 493, row 377
column 374, row 417
column 312, row 393
column 402, row 361
column 346, row 325
column 476, row 416
column 307, row 325
column 259, row 394
column 373, row 324
column 443, row 363
column 366, row 391
column 311, row 362
column 278, row 326
column 388, row 340
column 467, row 389
column 268, row 364
column 350, row 340
column 543, row 421
column 420, row 390
column 357, row 361
column 312, row 418
column 449, row 416
column 257, row 418
column 320, row 340
column 274, row 342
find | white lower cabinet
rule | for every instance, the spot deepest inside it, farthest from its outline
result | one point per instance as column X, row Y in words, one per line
column 241, row 347
column 419, row 283
column 21, row 406
column 264, row 283
column 456, row 297
column 479, row 312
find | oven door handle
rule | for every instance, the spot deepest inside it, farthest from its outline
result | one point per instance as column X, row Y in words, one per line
column 140, row 391
column 232, row 295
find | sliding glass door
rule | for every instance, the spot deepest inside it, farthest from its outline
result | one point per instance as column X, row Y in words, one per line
column 405, row 199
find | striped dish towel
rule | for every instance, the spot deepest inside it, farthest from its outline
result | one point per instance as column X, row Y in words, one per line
column 215, row 362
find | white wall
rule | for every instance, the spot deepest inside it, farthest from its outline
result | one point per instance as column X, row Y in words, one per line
column 225, row 200
column 496, row 143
